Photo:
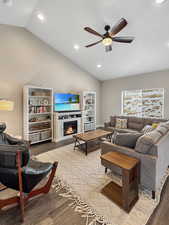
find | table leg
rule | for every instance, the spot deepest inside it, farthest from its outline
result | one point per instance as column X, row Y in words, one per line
column 86, row 145
column 75, row 141
column 125, row 189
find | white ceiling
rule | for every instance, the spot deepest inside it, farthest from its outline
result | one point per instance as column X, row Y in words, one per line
column 63, row 28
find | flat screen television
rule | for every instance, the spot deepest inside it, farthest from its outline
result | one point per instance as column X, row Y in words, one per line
column 66, row 102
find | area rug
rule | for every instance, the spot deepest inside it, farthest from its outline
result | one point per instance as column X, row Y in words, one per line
column 84, row 177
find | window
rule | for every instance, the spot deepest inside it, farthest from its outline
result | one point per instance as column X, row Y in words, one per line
column 143, row 103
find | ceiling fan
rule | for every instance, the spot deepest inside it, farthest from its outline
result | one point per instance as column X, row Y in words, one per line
column 109, row 37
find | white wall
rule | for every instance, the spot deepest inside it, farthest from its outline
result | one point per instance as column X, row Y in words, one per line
column 24, row 59
column 111, row 91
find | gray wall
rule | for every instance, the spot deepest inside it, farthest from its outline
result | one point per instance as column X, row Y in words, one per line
column 111, row 91
column 24, row 59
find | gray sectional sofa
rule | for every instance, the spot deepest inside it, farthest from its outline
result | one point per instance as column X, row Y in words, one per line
column 152, row 149
column 134, row 124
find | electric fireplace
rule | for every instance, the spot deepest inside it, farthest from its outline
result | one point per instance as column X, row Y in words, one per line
column 70, row 127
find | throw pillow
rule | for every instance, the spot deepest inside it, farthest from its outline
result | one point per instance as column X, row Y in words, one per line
column 155, row 125
column 121, row 123
column 124, row 123
column 118, row 123
column 147, row 129
column 127, row 139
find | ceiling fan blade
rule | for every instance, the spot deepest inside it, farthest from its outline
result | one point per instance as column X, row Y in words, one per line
column 90, row 30
column 87, row 46
column 118, row 26
column 123, row 39
column 108, row 48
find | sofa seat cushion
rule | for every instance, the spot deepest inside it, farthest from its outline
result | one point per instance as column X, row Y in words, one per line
column 146, row 144
column 121, row 130
column 125, row 130
column 126, row 139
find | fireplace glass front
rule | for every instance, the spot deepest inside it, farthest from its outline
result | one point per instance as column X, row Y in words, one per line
column 70, row 127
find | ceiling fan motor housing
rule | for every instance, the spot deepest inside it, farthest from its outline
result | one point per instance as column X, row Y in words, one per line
column 107, row 27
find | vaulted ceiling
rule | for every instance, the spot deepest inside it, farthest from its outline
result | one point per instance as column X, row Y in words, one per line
column 61, row 23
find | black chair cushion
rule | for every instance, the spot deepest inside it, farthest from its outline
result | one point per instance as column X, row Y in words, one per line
column 31, row 175
column 8, row 155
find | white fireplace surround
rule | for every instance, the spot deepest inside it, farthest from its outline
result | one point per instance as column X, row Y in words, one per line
column 60, row 119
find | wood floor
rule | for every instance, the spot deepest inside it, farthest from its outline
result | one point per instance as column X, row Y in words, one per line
column 50, row 209
column 53, row 209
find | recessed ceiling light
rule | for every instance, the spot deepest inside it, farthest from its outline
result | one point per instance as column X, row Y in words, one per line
column 76, row 47
column 41, row 17
column 99, row 66
column 160, row 1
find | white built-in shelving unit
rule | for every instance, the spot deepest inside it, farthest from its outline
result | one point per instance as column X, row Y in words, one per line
column 37, row 114
column 89, row 110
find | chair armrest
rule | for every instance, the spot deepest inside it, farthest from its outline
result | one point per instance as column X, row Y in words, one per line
column 16, row 141
column 107, row 124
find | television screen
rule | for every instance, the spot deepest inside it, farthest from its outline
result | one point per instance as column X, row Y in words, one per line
column 66, row 102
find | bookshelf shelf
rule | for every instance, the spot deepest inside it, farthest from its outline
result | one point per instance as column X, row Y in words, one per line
column 89, row 110
column 38, row 114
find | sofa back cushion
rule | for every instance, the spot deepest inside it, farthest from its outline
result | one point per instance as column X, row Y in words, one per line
column 126, row 139
column 150, row 121
column 146, row 144
column 165, row 124
column 135, row 123
column 162, row 130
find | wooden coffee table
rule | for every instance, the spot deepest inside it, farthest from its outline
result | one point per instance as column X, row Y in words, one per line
column 90, row 136
column 126, row 195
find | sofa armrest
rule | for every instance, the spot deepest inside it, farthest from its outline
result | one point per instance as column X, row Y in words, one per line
column 110, row 147
column 107, row 124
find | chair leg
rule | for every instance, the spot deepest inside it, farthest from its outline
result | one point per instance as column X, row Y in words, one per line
column 21, row 197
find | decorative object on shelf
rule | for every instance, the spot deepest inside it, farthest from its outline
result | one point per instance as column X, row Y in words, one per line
column 38, row 114
column 89, row 110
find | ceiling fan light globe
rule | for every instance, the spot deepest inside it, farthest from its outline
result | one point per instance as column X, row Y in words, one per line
column 107, row 41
